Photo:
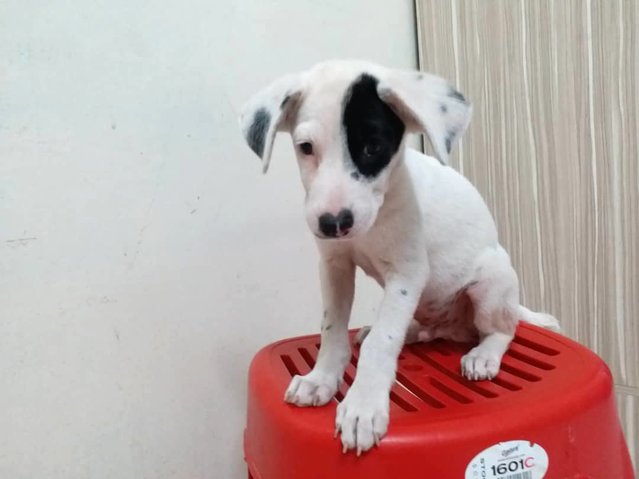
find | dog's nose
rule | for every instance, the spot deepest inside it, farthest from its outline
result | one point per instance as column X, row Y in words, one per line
column 333, row 226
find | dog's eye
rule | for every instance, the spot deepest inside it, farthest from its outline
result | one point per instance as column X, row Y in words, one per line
column 306, row 148
column 372, row 148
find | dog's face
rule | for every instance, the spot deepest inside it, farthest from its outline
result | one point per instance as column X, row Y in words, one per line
column 346, row 141
column 347, row 121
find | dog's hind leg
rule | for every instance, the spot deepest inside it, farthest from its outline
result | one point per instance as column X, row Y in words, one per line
column 494, row 292
column 360, row 336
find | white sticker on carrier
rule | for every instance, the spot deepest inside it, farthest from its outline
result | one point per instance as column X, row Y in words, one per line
column 509, row 460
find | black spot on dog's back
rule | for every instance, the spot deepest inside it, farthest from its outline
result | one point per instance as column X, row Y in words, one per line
column 373, row 131
column 256, row 135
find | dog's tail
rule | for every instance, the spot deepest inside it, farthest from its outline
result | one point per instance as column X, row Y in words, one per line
column 539, row 319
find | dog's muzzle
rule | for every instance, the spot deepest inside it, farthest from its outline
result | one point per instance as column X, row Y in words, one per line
column 336, row 226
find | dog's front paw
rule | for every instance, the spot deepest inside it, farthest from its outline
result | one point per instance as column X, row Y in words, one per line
column 313, row 389
column 480, row 364
column 362, row 419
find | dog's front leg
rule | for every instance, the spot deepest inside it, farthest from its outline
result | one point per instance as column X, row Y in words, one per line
column 362, row 417
column 318, row 387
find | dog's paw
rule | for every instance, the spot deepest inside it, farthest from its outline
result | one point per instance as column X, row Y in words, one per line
column 362, row 419
column 480, row 364
column 313, row 389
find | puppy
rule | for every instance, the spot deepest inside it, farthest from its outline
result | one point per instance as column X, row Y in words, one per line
column 418, row 227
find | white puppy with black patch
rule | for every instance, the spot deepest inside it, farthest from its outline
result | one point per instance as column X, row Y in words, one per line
column 418, row 227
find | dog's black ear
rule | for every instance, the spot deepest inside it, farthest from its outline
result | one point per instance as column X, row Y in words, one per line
column 428, row 104
column 268, row 112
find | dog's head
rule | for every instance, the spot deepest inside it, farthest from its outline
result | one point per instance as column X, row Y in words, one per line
column 347, row 120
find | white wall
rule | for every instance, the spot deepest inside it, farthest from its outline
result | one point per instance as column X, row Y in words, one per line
column 143, row 257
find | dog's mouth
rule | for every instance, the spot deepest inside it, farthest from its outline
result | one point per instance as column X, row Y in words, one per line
column 340, row 236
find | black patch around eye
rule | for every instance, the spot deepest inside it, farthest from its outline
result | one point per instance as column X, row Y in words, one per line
column 368, row 121
column 256, row 135
column 372, row 148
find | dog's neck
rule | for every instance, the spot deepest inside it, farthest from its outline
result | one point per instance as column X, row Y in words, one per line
column 397, row 224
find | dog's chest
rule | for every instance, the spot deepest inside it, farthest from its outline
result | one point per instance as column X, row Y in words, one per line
column 373, row 265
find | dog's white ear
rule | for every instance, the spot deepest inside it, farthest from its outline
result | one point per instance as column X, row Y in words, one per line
column 268, row 112
column 428, row 104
